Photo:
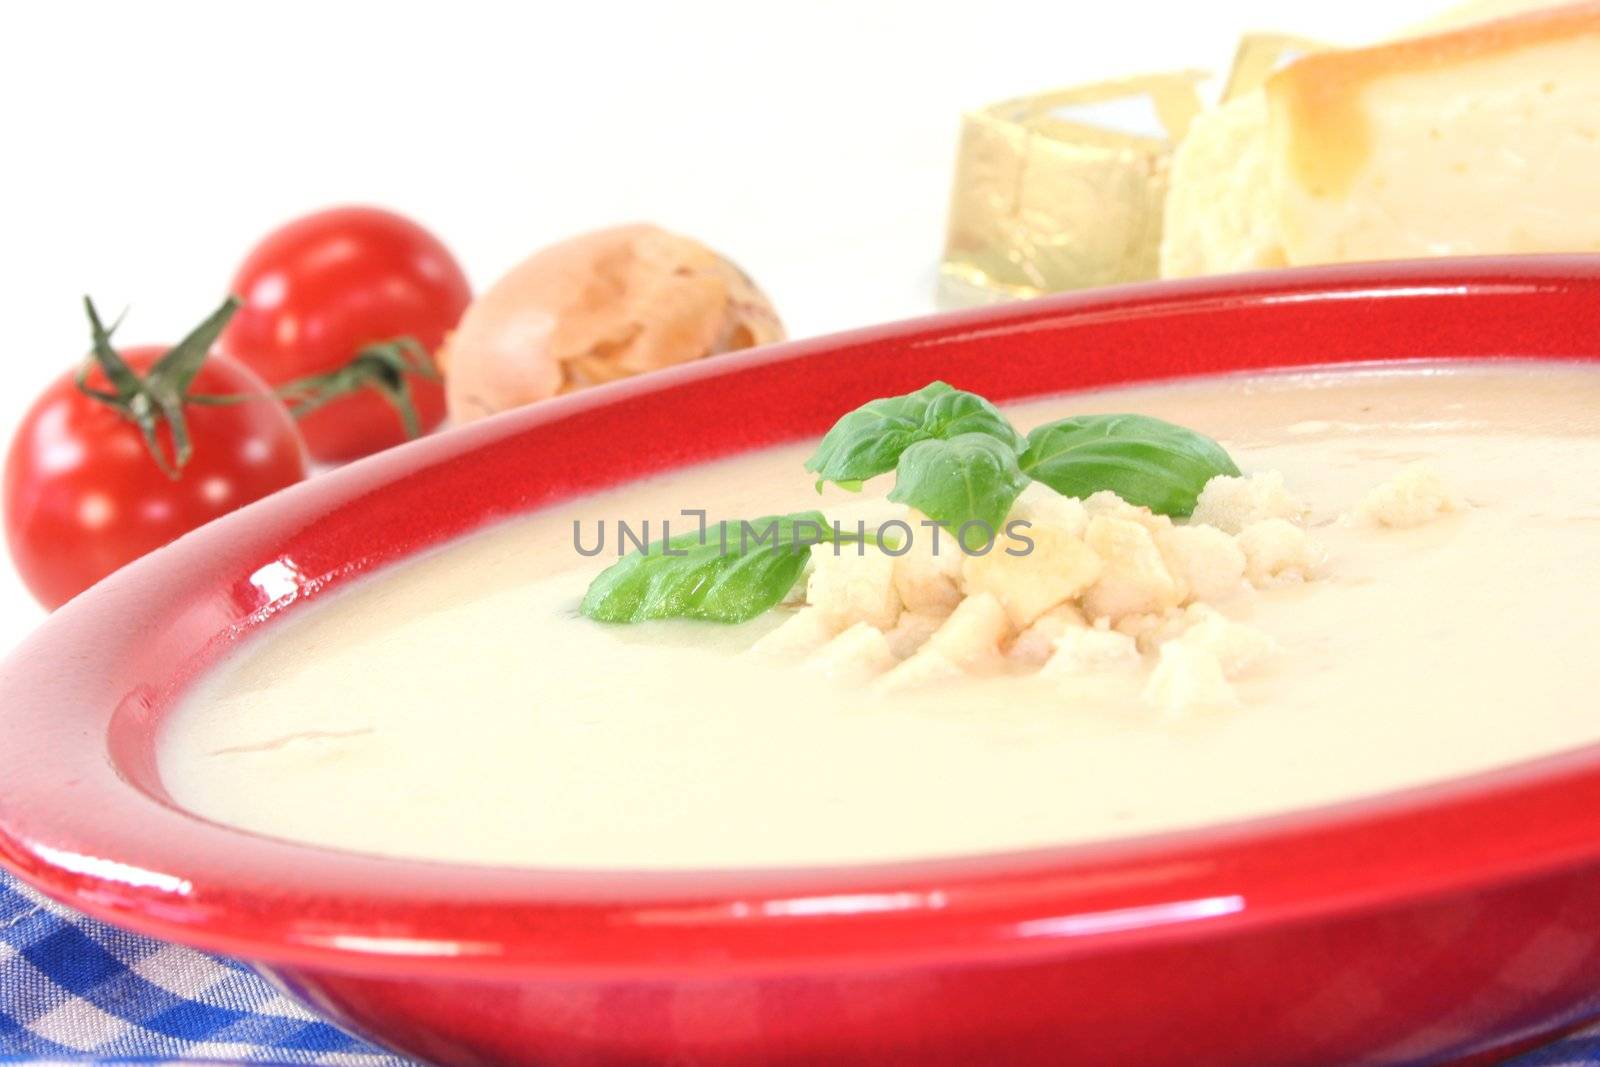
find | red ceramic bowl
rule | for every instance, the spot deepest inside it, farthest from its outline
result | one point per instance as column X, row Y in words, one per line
column 1437, row 924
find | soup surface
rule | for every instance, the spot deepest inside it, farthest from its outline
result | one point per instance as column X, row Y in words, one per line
column 458, row 707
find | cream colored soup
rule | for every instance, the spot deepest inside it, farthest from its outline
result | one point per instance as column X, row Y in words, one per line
column 458, row 708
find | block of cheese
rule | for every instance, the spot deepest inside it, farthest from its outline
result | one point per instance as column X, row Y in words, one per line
column 1477, row 141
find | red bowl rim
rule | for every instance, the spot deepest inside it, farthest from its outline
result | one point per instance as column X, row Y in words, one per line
column 83, row 819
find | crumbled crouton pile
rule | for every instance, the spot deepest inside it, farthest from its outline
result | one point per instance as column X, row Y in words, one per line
column 1087, row 587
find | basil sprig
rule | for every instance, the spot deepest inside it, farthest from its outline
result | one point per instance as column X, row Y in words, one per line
column 956, row 459
column 1145, row 461
column 870, row 440
column 970, row 478
column 731, row 573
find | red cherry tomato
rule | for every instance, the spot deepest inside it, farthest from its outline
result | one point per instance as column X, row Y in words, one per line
column 83, row 495
column 322, row 288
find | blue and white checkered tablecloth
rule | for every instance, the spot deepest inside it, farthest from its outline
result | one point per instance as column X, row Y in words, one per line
column 73, row 989
column 76, row 990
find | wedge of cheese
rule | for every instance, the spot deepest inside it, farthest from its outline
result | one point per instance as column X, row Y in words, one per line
column 1477, row 141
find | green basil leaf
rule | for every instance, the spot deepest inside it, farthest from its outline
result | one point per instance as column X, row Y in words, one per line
column 1144, row 460
column 734, row 573
column 972, row 477
column 870, row 440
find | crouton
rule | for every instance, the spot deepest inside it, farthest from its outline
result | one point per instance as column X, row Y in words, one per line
column 924, row 670
column 973, row 634
column 853, row 657
column 848, row 586
column 1412, row 497
column 1188, row 680
column 913, row 631
column 1230, row 504
column 1037, row 643
column 1209, row 563
column 927, row 576
column 800, row 635
column 1029, row 577
column 1040, row 505
column 1134, row 579
column 1237, row 647
column 1092, row 650
column 1277, row 552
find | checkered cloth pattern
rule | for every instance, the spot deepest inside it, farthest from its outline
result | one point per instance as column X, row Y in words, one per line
column 73, row 990
column 1577, row 1050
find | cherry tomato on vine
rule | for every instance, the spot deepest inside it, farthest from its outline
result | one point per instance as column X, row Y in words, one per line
column 331, row 288
column 104, row 469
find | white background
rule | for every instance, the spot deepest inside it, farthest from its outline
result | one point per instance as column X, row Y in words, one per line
column 145, row 146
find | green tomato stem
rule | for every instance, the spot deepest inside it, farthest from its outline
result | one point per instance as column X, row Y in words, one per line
column 162, row 392
column 387, row 366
